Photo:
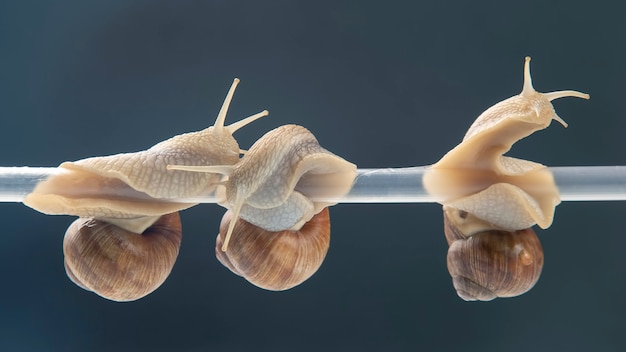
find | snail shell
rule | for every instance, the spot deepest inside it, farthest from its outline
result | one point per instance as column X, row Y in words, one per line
column 274, row 260
column 118, row 264
column 487, row 263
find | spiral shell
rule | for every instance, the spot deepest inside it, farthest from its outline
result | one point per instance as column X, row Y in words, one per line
column 274, row 260
column 117, row 264
column 486, row 263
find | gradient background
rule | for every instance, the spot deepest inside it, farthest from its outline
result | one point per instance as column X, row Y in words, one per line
column 381, row 85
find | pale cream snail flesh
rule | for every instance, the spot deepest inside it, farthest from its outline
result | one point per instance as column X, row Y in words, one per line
column 127, row 237
column 502, row 194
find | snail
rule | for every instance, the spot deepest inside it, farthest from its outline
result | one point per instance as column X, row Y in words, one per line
column 122, row 201
column 502, row 194
column 272, row 196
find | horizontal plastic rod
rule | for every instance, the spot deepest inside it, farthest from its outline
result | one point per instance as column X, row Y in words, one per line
column 392, row 185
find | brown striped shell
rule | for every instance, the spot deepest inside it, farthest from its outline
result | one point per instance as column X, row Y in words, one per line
column 487, row 263
column 274, row 260
column 118, row 264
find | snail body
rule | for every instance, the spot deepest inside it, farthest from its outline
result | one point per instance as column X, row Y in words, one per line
column 510, row 193
column 268, row 186
column 135, row 185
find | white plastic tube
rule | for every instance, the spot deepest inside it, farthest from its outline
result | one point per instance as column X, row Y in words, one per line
column 392, row 185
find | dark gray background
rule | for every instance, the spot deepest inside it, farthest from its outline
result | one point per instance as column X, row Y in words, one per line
column 381, row 85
